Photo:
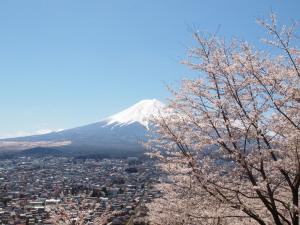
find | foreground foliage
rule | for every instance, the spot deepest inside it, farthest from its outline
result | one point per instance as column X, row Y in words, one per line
column 231, row 145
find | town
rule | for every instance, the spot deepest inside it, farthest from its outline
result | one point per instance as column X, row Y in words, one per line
column 68, row 190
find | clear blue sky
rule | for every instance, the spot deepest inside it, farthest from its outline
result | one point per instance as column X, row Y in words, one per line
column 67, row 63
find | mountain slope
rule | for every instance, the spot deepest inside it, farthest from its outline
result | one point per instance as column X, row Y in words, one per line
column 121, row 131
column 40, row 151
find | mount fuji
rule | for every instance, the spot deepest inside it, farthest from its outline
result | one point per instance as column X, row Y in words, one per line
column 119, row 132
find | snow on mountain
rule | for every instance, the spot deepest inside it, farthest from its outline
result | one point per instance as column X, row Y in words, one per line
column 122, row 131
column 140, row 112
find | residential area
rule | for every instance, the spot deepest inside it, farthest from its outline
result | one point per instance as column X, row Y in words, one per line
column 66, row 190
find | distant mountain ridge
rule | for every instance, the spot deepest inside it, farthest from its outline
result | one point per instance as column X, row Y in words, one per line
column 121, row 131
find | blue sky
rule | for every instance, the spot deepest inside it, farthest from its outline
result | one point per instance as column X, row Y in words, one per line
column 67, row 63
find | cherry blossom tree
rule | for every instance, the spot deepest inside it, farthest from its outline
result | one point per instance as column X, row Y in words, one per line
column 231, row 145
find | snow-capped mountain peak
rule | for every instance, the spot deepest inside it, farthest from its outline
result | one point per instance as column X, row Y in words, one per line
column 140, row 112
column 119, row 132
